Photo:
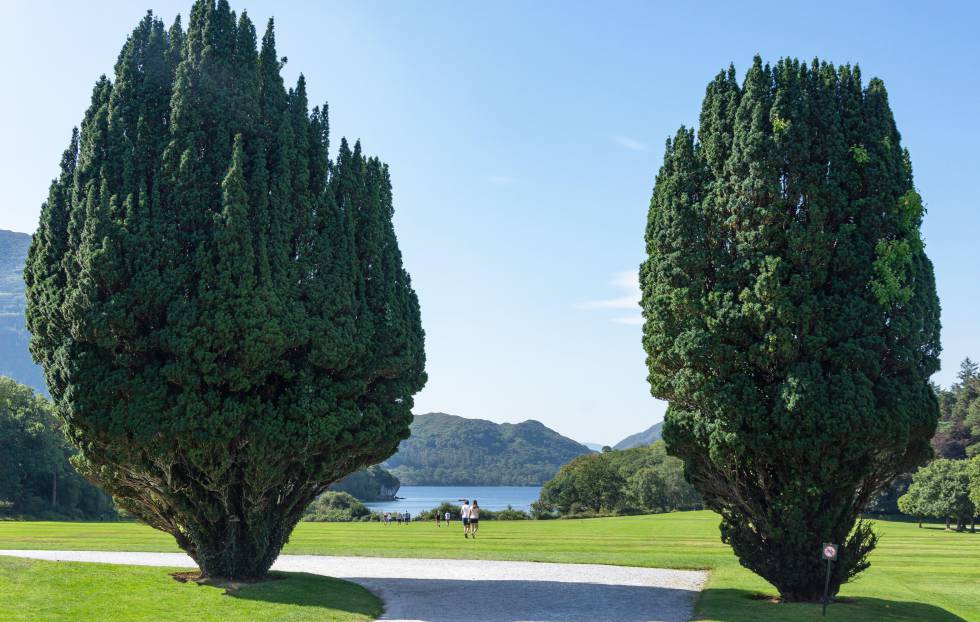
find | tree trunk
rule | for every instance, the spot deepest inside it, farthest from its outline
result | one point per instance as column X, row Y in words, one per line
column 243, row 546
column 947, row 523
column 54, row 489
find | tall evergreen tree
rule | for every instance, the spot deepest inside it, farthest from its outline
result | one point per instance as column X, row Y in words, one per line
column 222, row 313
column 791, row 317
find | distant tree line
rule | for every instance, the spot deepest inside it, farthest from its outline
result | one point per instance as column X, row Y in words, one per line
column 36, row 479
column 641, row 480
column 336, row 507
column 456, row 513
column 958, row 433
column 945, row 489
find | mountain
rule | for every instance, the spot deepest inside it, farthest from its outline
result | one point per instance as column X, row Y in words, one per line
column 446, row 450
column 370, row 484
column 594, row 446
column 646, row 437
column 15, row 360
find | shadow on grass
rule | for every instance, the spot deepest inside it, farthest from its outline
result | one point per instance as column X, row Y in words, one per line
column 310, row 590
column 446, row 600
column 730, row 605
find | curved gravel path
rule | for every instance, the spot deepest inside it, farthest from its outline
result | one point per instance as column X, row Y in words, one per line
column 447, row 590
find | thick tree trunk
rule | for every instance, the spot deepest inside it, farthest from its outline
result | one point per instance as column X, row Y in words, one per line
column 243, row 545
column 795, row 568
column 947, row 523
column 232, row 550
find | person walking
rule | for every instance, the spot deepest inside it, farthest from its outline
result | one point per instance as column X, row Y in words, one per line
column 474, row 518
column 438, row 519
column 465, row 514
column 449, row 518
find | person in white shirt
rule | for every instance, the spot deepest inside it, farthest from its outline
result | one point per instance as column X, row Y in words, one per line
column 465, row 513
column 448, row 518
column 474, row 518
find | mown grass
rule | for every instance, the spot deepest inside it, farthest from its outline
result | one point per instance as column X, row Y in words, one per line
column 916, row 574
column 32, row 590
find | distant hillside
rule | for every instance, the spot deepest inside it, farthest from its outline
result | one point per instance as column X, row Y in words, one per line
column 15, row 360
column 594, row 446
column 646, row 437
column 370, row 484
column 449, row 450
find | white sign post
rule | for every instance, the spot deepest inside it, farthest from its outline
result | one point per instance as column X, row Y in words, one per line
column 828, row 551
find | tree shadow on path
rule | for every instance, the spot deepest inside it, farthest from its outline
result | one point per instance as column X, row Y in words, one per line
column 447, row 600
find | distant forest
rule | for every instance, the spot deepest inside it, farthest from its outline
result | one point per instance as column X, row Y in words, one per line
column 37, row 480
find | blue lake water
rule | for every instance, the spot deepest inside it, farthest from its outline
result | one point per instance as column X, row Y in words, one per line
column 415, row 499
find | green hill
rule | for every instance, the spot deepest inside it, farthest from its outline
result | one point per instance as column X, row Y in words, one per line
column 647, row 437
column 370, row 484
column 449, row 450
column 15, row 360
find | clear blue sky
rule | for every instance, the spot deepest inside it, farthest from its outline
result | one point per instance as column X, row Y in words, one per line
column 523, row 140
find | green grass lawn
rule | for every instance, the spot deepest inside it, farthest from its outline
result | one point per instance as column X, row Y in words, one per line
column 916, row 574
column 32, row 590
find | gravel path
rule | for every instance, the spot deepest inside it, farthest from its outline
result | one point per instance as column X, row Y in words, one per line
column 447, row 590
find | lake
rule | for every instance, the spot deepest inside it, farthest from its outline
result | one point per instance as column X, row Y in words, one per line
column 415, row 499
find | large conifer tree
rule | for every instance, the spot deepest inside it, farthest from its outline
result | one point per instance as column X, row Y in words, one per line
column 221, row 311
column 791, row 316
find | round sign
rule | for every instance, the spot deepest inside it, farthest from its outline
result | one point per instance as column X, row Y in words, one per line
column 830, row 551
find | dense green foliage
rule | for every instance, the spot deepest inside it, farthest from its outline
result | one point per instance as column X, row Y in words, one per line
column 15, row 361
column 958, row 435
column 221, row 311
column 791, row 316
column 632, row 481
column 370, row 484
column 973, row 472
column 917, row 575
column 941, row 490
column 647, row 437
column 35, row 590
column 36, row 479
column 448, row 450
column 336, row 507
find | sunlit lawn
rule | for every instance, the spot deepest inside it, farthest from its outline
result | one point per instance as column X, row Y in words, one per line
column 916, row 574
column 32, row 590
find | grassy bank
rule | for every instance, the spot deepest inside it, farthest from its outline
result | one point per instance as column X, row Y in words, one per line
column 40, row 590
column 917, row 574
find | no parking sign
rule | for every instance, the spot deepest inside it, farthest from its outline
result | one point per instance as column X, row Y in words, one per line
column 829, row 551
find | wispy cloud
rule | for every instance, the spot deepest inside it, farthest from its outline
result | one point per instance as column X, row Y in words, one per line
column 630, row 143
column 628, row 282
column 633, row 320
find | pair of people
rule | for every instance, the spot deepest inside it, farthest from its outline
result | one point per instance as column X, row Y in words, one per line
column 471, row 518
